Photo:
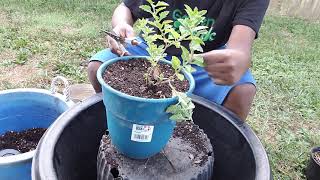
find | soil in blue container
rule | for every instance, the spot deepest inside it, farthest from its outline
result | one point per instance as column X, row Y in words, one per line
column 129, row 77
column 23, row 141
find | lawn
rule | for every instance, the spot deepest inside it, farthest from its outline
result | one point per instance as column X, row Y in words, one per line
column 41, row 39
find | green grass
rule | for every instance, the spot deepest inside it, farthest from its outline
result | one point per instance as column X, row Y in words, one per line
column 286, row 111
column 41, row 39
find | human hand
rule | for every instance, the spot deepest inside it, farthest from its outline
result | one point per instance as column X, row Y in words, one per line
column 123, row 30
column 226, row 66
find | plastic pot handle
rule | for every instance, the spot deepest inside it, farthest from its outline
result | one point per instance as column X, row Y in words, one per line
column 66, row 90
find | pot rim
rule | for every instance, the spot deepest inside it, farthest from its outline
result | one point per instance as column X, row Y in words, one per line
column 103, row 67
column 28, row 155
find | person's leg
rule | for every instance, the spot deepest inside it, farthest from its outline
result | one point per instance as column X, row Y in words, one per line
column 240, row 98
column 93, row 67
column 105, row 55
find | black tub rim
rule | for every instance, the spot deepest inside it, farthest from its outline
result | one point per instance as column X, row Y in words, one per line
column 263, row 170
column 44, row 156
column 55, row 131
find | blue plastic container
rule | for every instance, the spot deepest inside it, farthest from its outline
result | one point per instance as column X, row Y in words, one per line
column 139, row 127
column 21, row 109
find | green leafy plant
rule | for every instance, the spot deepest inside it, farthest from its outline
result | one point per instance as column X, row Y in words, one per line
column 159, row 28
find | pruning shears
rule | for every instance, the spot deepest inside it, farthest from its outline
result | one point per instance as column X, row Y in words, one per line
column 122, row 42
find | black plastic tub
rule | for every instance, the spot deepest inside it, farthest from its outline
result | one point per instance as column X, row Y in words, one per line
column 69, row 148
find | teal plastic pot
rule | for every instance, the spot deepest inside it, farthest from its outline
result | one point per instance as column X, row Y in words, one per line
column 139, row 127
column 22, row 109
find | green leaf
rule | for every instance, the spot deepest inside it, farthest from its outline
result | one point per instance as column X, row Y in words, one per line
column 174, row 33
column 146, row 8
column 163, row 15
column 167, row 22
column 175, row 63
column 150, row 2
column 185, row 54
column 195, row 46
column 162, row 3
column 177, row 117
column 177, row 44
column 161, row 77
column 183, row 22
column 188, row 68
column 160, row 9
column 198, row 60
column 197, row 40
column 191, row 105
column 183, row 110
column 180, row 76
column 198, row 28
column 173, row 109
column 188, row 10
column 202, row 12
column 183, row 31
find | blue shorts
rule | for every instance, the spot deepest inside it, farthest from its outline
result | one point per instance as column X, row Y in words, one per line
column 204, row 87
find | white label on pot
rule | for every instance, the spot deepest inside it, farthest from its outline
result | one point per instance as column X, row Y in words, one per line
column 141, row 133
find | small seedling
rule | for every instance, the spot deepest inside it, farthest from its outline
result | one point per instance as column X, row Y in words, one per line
column 161, row 29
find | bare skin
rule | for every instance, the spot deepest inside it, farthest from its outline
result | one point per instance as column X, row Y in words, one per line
column 122, row 25
column 228, row 65
column 224, row 66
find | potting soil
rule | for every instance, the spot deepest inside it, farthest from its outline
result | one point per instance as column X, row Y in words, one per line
column 129, row 78
column 187, row 154
column 23, row 141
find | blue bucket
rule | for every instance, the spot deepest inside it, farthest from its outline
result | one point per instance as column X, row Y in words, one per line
column 22, row 109
column 139, row 127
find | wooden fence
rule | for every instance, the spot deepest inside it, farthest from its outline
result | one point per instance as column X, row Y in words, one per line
column 309, row 9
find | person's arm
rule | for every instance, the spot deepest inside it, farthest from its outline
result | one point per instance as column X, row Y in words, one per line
column 228, row 65
column 122, row 14
column 122, row 22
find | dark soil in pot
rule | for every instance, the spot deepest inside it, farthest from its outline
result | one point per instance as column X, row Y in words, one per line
column 188, row 155
column 129, row 77
column 23, row 141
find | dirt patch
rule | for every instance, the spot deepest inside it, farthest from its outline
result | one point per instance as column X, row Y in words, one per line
column 23, row 141
column 18, row 74
column 27, row 75
column 7, row 55
column 4, row 18
column 129, row 77
column 68, row 30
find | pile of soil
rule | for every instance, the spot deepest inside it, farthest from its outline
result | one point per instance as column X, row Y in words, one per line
column 188, row 154
column 129, row 77
column 191, row 133
column 23, row 141
column 317, row 156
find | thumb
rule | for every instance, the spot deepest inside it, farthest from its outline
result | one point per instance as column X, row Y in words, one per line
column 212, row 57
